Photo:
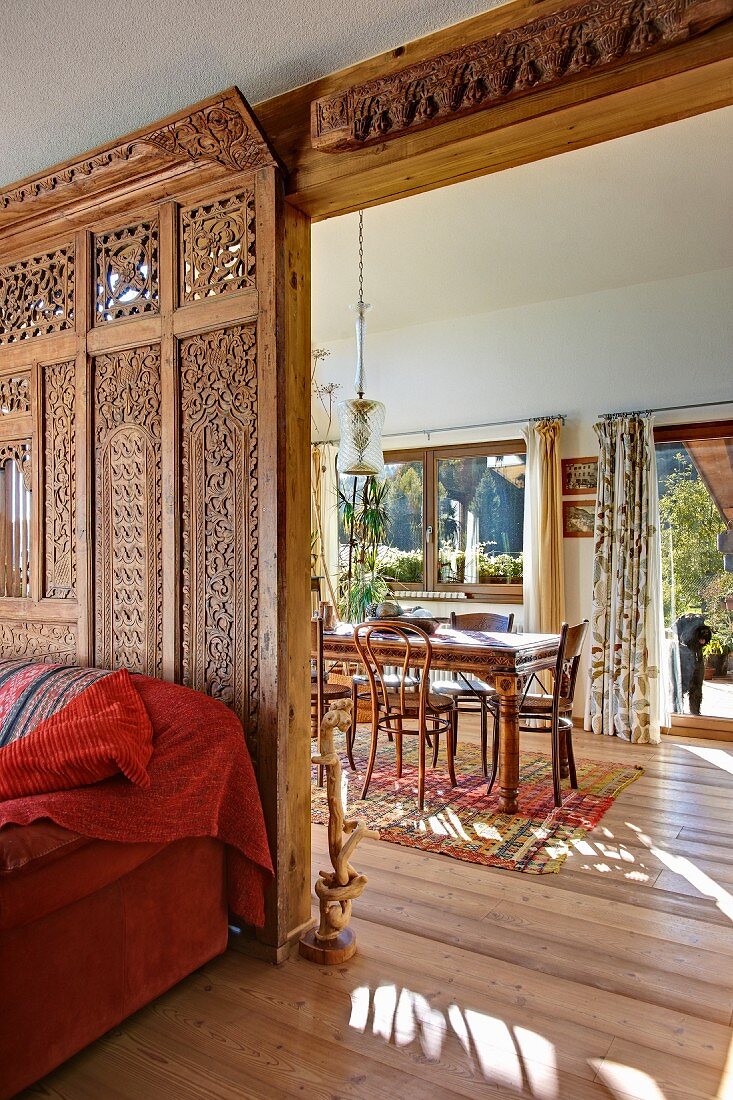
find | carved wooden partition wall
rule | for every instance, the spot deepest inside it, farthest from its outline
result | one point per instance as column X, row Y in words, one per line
column 153, row 372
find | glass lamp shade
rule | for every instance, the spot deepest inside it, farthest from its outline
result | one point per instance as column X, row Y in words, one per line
column 360, row 447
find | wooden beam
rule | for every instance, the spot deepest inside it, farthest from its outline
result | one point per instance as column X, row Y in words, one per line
column 586, row 37
column 686, row 79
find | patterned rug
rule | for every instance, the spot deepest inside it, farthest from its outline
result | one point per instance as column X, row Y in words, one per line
column 463, row 822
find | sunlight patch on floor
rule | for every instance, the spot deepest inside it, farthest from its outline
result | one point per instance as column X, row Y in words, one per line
column 684, row 867
column 507, row 1056
column 626, row 1081
column 719, row 757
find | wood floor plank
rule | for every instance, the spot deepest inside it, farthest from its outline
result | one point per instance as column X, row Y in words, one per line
column 608, row 980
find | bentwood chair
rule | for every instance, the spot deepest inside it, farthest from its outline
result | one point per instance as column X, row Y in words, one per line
column 471, row 694
column 404, row 710
column 553, row 713
column 323, row 693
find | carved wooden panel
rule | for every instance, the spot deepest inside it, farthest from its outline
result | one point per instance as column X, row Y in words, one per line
column 126, row 272
column 37, row 296
column 127, row 434
column 221, row 131
column 591, row 35
column 54, row 643
column 19, row 452
column 59, row 447
column 217, row 247
column 220, row 517
column 15, row 395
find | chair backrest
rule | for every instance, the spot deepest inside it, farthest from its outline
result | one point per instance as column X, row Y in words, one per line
column 412, row 649
column 572, row 639
column 317, row 649
column 479, row 620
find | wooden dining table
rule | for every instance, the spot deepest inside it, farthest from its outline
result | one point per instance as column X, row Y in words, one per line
column 503, row 660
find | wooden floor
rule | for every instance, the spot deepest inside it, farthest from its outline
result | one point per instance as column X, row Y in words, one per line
column 613, row 978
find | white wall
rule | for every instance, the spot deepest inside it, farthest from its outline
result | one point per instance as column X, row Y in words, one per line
column 644, row 346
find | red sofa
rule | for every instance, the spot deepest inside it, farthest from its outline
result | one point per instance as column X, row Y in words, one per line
column 90, row 931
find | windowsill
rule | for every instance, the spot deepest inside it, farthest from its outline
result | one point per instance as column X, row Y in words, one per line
column 499, row 593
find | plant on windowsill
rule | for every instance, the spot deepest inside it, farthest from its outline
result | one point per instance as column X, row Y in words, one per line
column 716, row 654
column 365, row 520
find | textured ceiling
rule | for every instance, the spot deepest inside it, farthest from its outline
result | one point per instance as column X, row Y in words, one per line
column 653, row 205
column 78, row 73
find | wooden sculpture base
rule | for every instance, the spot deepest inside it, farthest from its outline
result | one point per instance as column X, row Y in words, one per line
column 329, row 953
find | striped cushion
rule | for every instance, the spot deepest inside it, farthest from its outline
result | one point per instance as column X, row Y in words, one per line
column 30, row 692
column 62, row 728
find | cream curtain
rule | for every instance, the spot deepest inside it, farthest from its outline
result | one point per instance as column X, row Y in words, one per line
column 627, row 674
column 544, row 579
column 324, row 517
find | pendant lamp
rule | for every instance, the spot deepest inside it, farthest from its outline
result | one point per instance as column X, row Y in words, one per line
column 361, row 421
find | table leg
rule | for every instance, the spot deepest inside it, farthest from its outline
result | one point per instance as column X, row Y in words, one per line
column 507, row 686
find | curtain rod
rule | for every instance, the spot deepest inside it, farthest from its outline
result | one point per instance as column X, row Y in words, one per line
column 667, row 409
column 467, row 427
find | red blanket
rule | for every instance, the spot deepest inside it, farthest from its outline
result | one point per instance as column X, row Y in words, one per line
column 202, row 784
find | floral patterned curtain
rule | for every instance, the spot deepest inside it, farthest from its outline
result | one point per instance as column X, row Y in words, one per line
column 627, row 635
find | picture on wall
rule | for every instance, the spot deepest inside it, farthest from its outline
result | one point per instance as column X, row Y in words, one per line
column 578, row 519
column 579, row 475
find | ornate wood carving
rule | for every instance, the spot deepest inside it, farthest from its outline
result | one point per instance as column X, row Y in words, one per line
column 15, row 397
column 19, row 452
column 126, row 267
column 591, row 35
column 37, row 296
column 59, row 443
column 217, row 247
column 219, row 131
column 333, row 941
column 127, row 419
column 54, row 643
column 220, row 517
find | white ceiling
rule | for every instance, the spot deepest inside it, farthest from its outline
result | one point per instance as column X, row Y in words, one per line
column 650, row 206
column 79, row 73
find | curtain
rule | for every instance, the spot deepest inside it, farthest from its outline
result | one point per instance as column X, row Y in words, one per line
column 324, row 517
column 544, row 581
column 627, row 674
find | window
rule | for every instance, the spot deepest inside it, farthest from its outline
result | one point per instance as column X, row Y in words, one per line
column 454, row 519
column 15, row 520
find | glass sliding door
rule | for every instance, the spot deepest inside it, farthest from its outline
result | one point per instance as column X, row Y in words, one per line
column 695, row 479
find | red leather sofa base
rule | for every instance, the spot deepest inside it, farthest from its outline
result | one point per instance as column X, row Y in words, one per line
column 90, row 931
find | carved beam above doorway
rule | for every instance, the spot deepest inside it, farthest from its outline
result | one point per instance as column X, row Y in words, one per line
column 586, row 37
column 220, row 133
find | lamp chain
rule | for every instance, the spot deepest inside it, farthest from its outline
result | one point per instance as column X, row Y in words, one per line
column 361, row 257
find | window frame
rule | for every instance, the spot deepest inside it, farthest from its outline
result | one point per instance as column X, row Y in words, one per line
column 690, row 724
column 496, row 592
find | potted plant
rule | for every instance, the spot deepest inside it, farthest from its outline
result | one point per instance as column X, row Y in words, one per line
column 716, row 654
column 366, row 522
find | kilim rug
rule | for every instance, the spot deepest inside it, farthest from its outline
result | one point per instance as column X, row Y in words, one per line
column 464, row 823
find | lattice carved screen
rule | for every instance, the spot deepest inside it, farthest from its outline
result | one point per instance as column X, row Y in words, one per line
column 129, row 368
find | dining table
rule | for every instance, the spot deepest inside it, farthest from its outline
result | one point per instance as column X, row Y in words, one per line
column 504, row 660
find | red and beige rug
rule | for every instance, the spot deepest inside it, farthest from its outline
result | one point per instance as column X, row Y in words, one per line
column 464, row 823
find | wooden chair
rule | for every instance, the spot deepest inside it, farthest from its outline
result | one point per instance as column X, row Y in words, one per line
column 394, row 711
column 469, row 689
column 551, row 713
column 323, row 693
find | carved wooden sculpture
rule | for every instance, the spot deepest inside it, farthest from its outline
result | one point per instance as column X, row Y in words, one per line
column 589, row 36
column 333, row 941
